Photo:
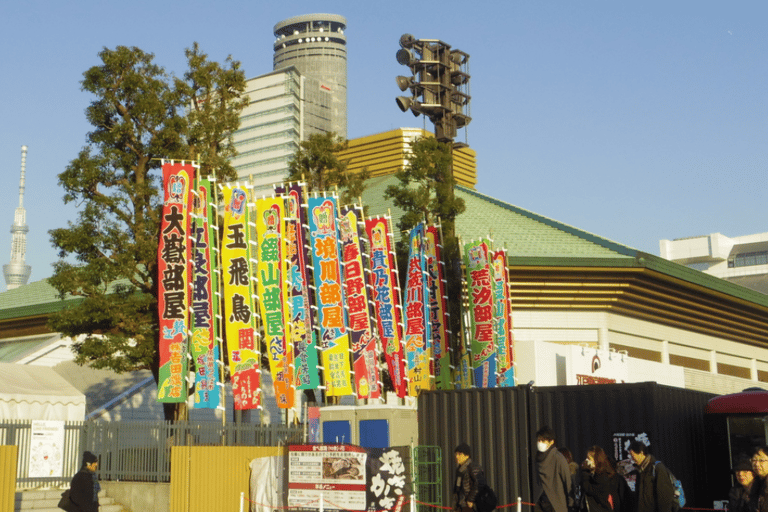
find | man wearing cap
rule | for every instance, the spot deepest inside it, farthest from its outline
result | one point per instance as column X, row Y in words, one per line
column 742, row 497
column 84, row 490
column 470, row 479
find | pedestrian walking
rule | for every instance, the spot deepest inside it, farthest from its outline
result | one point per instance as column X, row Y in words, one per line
column 470, row 480
column 760, row 468
column 554, row 491
column 605, row 490
column 654, row 489
column 84, row 489
column 743, row 496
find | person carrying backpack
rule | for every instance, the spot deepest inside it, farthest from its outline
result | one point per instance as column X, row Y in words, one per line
column 470, row 490
column 654, row 489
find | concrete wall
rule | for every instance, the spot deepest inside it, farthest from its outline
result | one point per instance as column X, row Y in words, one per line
column 138, row 496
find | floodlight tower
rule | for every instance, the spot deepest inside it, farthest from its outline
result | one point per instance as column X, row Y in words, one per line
column 17, row 272
column 439, row 84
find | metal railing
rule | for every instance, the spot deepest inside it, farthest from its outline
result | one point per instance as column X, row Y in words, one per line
column 136, row 451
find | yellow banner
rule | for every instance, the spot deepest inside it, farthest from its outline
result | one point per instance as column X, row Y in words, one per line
column 273, row 295
column 243, row 348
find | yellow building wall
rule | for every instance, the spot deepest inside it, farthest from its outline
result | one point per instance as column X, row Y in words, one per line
column 205, row 478
column 385, row 153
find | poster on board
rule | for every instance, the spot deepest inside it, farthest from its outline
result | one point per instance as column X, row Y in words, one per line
column 46, row 452
column 334, row 473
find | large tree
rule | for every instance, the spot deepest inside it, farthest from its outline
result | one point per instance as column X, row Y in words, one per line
column 317, row 163
column 425, row 192
column 108, row 256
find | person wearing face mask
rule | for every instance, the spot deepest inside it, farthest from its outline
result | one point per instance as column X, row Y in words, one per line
column 605, row 490
column 554, row 491
column 742, row 497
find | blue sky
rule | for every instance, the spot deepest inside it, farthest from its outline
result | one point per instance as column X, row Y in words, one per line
column 636, row 121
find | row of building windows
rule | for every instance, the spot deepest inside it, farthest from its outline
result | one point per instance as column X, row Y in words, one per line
column 290, row 133
column 288, row 146
column 748, row 259
column 263, row 163
column 289, row 109
column 285, row 124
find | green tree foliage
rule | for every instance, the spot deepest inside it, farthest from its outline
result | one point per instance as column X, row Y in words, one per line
column 108, row 256
column 317, row 163
column 425, row 192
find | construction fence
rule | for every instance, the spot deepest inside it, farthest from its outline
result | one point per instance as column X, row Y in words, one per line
column 135, row 451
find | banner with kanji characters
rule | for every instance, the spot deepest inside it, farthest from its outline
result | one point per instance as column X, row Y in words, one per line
column 479, row 286
column 502, row 320
column 360, row 326
column 334, row 338
column 273, row 295
column 204, row 311
column 302, row 332
column 242, row 346
column 174, row 261
column 418, row 354
column 386, row 300
column 438, row 309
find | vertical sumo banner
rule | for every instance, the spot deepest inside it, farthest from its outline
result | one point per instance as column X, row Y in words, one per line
column 502, row 320
column 360, row 326
column 330, row 296
column 418, row 353
column 272, row 288
column 386, row 300
column 243, row 348
column 479, row 285
column 302, row 332
column 438, row 309
column 173, row 266
column 204, row 349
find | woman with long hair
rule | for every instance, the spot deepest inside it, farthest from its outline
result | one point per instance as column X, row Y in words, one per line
column 605, row 490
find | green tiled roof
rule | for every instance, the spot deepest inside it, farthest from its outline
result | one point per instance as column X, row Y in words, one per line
column 33, row 299
column 523, row 233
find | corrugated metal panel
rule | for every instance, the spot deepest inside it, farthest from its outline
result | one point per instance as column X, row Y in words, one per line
column 500, row 425
column 205, row 478
column 493, row 422
column 8, row 456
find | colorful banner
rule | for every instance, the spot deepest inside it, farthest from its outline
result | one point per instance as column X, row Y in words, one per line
column 358, row 311
column 418, row 353
column 173, row 266
column 244, row 353
column 204, row 349
column 479, row 285
column 438, row 309
column 273, row 295
column 386, row 300
column 330, row 295
column 302, row 333
column 464, row 371
column 502, row 320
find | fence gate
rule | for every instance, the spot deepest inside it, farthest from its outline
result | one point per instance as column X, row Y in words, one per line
column 427, row 477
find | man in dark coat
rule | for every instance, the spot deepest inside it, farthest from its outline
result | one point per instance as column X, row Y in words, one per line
column 470, row 480
column 554, row 489
column 743, row 496
column 654, row 489
column 84, row 490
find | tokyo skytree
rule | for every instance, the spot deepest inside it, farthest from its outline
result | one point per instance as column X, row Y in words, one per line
column 17, row 271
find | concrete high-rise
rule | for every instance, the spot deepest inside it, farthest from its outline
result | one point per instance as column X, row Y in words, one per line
column 305, row 94
column 17, row 272
column 315, row 44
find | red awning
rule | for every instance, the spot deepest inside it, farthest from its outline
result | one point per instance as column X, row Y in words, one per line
column 755, row 402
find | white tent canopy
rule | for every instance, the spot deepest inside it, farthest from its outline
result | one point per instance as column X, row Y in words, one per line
column 29, row 392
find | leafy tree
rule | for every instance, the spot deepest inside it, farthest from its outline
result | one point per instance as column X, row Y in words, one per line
column 317, row 163
column 108, row 256
column 425, row 192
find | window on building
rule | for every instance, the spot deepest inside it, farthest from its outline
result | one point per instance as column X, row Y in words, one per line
column 748, row 259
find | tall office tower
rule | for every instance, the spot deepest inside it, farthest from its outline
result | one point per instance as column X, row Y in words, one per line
column 17, row 271
column 305, row 94
column 315, row 44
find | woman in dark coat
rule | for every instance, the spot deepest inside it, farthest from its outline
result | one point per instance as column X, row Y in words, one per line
column 84, row 489
column 605, row 490
column 743, row 495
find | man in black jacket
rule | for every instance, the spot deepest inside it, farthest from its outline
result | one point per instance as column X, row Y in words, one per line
column 470, row 480
column 655, row 492
column 84, row 490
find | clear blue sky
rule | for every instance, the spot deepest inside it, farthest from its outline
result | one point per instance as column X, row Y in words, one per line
column 636, row 121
